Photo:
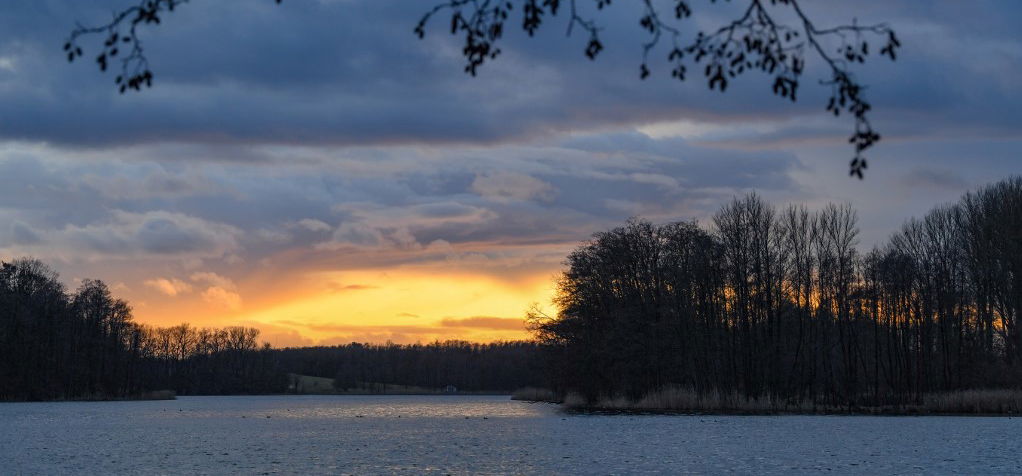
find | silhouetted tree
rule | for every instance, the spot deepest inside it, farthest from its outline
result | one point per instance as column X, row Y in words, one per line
column 493, row 367
column 784, row 306
column 55, row 345
column 776, row 37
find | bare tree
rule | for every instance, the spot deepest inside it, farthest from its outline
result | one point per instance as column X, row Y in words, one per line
column 785, row 306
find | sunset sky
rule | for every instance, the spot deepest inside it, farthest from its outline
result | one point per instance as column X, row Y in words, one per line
column 315, row 170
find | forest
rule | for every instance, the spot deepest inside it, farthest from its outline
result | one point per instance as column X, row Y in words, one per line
column 765, row 303
column 779, row 304
column 85, row 345
column 60, row 345
column 468, row 367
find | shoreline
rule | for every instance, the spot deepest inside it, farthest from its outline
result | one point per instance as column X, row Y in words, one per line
column 750, row 413
column 143, row 398
column 682, row 401
column 154, row 395
column 595, row 410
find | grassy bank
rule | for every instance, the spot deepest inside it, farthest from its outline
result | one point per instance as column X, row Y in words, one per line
column 681, row 400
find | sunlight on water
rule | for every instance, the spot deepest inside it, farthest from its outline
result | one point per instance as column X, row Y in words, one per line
column 383, row 406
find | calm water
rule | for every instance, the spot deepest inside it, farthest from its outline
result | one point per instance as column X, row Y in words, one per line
column 448, row 434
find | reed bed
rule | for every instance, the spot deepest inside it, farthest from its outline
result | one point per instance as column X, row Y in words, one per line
column 685, row 400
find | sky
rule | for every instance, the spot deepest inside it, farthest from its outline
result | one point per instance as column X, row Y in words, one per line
column 315, row 170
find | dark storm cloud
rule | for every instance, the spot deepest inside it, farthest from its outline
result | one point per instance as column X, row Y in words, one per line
column 351, row 72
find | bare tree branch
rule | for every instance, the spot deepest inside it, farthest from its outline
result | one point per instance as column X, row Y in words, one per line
column 753, row 41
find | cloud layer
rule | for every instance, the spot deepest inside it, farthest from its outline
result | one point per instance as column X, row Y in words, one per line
column 281, row 144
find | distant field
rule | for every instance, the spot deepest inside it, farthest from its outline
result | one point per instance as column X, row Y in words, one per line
column 309, row 385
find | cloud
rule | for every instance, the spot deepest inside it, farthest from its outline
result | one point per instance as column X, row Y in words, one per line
column 270, row 87
column 313, row 224
column 216, row 290
column 212, row 279
column 152, row 233
column 338, row 287
column 339, row 334
column 283, row 338
column 22, row 234
column 940, row 178
column 449, row 211
column 510, row 186
column 656, row 179
column 393, row 206
column 485, row 322
column 119, row 287
column 356, row 233
column 220, row 292
column 222, row 298
column 277, row 155
column 158, row 184
column 169, row 286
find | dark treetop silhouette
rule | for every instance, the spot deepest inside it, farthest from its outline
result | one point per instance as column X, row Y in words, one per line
column 767, row 304
column 779, row 305
column 774, row 37
column 86, row 345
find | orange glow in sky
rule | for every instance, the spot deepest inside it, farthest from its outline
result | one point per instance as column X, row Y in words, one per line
column 329, row 308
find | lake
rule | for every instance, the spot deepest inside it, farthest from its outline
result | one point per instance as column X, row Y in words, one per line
column 477, row 434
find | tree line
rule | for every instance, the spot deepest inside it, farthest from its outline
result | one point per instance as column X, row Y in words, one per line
column 765, row 302
column 780, row 303
column 84, row 344
column 56, row 344
column 490, row 367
